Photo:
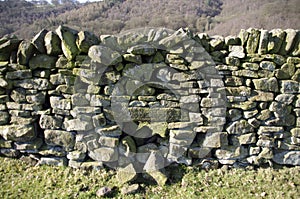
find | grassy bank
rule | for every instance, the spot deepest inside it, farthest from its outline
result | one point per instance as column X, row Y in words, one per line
column 21, row 180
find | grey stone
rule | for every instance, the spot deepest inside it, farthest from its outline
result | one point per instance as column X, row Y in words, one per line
column 263, row 42
column 85, row 40
column 276, row 38
column 68, row 38
column 78, row 125
column 126, row 174
column 60, row 138
column 266, row 84
column 239, row 127
column 110, row 131
column 25, row 52
column 267, row 65
column 104, row 55
column 42, row 61
column 215, row 140
column 289, row 86
column 253, row 40
column 287, row 158
column 285, row 98
column 53, row 44
column 60, row 103
column 39, row 41
column 20, row 74
column 50, row 122
column 103, row 191
column 108, row 141
column 35, row 84
column 104, row 154
column 29, row 146
column 18, row 133
column 99, row 120
column 55, row 161
column 130, row 189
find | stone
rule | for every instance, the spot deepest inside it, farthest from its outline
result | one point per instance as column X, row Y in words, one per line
column 38, row 98
column 142, row 49
column 287, row 158
column 39, row 41
column 25, row 52
column 85, row 40
column 103, row 191
column 199, row 152
column 104, row 55
column 159, row 176
column 215, row 140
column 50, row 122
column 276, row 38
column 60, row 103
column 155, row 162
column 104, row 154
column 250, row 66
column 238, row 91
column 267, row 65
column 260, row 96
column 288, row 42
column 68, row 38
column 5, row 144
column 237, row 51
column 130, row 189
column 110, row 131
column 18, row 133
column 253, row 40
column 285, row 98
column 234, row 114
column 133, row 58
column 78, row 125
column 99, row 100
column 108, row 141
column 249, row 138
column 35, row 84
column 126, row 174
column 263, row 42
column 20, row 74
column 42, row 61
column 231, row 153
column 60, row 138
column 57, row 79
column 239, row 127
column 213, row 102
column 76, row 156
column 289, row 86
column 53, row 161
column 52, row 44
column 296, row 132
column 248, row 105
column 29, row 146
column 99, row 120
column 280, row 108
column 266, row 84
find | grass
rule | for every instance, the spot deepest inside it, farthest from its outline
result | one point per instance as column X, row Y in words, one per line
column 21, row 180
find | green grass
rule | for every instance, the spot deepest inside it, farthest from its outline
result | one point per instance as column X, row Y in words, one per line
column 20, row 180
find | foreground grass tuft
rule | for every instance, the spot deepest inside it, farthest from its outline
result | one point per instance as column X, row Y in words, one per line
column 20, row 180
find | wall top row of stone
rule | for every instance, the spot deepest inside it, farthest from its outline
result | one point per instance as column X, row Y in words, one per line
column 71, row 43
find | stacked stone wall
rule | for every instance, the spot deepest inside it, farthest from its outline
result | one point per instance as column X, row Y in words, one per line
column 147, row 98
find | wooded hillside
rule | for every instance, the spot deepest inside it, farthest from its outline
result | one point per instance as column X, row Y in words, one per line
column 112, row 16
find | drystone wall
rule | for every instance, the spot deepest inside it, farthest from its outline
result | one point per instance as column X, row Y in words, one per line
column 144, row 99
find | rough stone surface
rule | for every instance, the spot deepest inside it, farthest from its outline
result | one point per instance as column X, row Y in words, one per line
column 140, row 101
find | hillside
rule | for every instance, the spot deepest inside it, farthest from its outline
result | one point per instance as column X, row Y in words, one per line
column 267, row 14
column 223, row 17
